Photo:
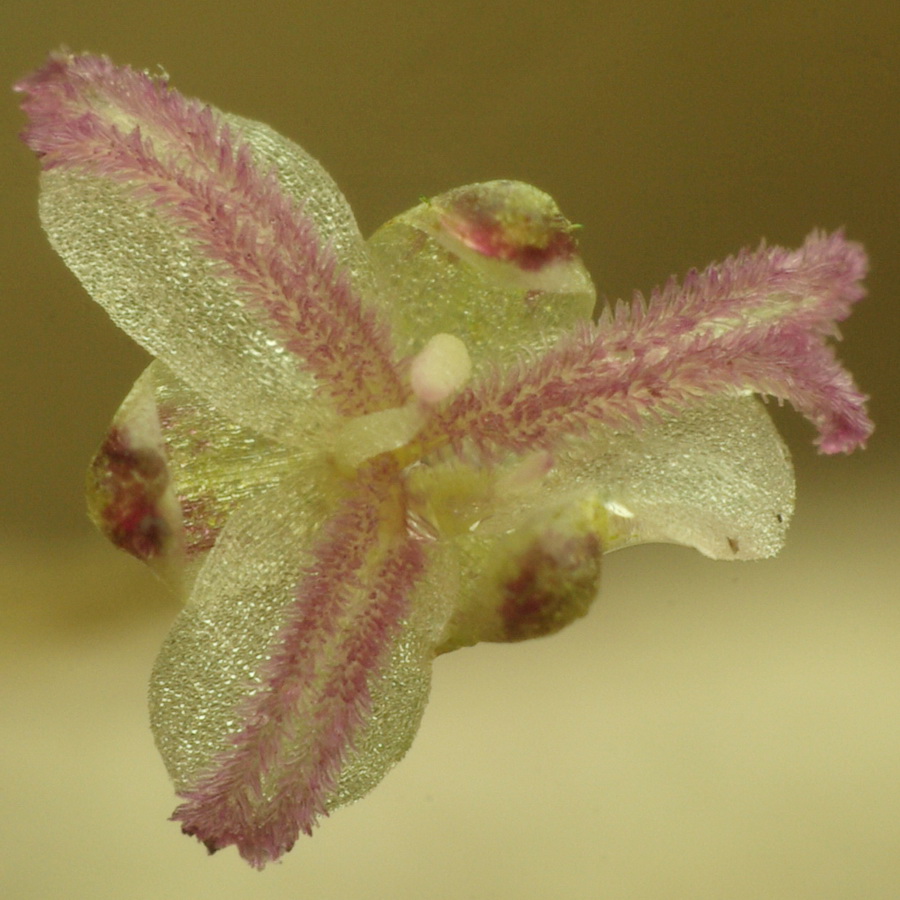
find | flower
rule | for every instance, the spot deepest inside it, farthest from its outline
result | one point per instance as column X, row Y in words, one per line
column 354, row 455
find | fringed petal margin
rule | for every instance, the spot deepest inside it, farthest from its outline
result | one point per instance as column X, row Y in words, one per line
column 299, row 725
column 751, row 326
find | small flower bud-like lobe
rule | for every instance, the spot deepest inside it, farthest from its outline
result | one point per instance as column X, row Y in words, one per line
column 508, row 221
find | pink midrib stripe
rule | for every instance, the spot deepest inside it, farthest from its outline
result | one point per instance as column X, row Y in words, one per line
column 86, row 142
column 823, row 277
column 567, row 390
column 609, row 373
column 214, row 810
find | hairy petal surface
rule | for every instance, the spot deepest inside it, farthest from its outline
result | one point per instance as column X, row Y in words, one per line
column 162, row 212
column 213, row 654
column 312, row 189
column 494, row 264
column 272, row 674
column 754, row 324
column 339, row 514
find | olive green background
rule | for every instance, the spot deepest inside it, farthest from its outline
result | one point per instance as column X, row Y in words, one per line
column 711, row 730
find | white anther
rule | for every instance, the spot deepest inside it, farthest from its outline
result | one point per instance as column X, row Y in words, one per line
column 440, row 368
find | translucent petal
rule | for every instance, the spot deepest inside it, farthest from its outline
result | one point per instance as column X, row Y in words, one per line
column 437, row 278
column 716, row 477
column 158, row 288
column 400, row 693
column 358, row 337
column 314, row 190
column 212, row 658
column 527, row 562
column 209, row 661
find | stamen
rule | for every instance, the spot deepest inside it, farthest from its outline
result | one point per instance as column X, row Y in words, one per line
column 440, row 369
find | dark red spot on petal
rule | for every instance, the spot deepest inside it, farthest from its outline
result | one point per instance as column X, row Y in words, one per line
column 556, row 581
column 126, row 485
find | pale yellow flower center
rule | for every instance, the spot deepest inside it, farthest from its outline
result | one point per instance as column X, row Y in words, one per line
column 438, row 371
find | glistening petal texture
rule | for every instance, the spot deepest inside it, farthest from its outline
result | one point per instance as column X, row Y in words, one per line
column 313, row 191
column 162, row 212
column 270, row 686
column 352, row 456
column 214, row 651
column 494, row 264
column 716, row 477
column 157, row 287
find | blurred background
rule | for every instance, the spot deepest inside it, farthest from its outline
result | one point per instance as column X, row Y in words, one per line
column 709, row 730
